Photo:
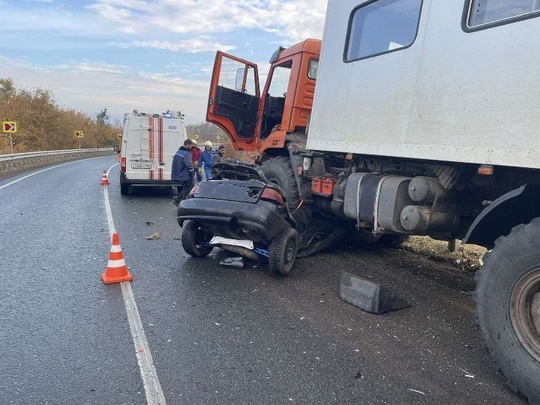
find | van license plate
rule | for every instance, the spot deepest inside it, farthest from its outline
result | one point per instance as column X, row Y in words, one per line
column 141, row 165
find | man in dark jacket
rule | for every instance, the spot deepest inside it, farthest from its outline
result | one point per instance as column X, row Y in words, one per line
column 218, row 156
column 182, row 171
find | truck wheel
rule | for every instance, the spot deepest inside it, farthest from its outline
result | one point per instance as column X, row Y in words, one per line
column 508, row 304
column 194, row 238
column 282, row 251
column 278, row 170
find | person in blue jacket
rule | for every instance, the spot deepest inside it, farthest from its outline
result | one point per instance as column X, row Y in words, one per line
column 206, row 160
column 182, row 171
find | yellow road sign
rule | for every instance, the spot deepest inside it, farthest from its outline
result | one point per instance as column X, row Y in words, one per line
column 9, row 126
column 119, row 136
column 79, row 134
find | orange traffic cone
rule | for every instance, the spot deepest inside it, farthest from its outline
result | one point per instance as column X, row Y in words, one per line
column 104, row 180
column 116, row 271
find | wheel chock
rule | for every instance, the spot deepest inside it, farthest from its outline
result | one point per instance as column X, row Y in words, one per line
column 369, row 296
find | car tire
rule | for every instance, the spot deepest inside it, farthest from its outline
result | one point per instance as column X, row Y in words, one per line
column 282, row 251
column 508, row 306
column 278, row 170
column 193, row 239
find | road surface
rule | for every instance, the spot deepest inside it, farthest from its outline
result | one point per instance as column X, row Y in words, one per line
column 216, row 335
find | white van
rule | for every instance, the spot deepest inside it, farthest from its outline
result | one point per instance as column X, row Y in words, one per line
column 149, row 142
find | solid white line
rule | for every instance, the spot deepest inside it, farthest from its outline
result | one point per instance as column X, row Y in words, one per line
column 33, row 174
column 152, row 387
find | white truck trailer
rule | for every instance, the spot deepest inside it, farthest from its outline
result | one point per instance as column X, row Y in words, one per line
column 424, row 121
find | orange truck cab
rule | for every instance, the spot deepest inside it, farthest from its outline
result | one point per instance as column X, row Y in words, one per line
column 259, row 122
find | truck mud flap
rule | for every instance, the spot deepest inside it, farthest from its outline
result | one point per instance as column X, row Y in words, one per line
column 369, row 296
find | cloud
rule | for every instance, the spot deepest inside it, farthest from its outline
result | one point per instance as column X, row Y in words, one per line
column 100, row 68
column 291, row 19
column 192, row 45
column 91, row 86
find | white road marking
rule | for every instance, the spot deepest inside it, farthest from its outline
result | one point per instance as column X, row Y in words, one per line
column 33, row 174
column 152, row 387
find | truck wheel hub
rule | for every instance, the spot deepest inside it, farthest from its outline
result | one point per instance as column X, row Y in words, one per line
column 525, row 311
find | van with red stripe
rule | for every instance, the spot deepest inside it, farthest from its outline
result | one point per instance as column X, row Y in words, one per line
column 149, row 142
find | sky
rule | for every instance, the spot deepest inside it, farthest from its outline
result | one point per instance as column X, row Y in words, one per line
column 152, row 56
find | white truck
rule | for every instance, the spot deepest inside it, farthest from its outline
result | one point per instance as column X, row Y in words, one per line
column 149, row 142
column 424, row 121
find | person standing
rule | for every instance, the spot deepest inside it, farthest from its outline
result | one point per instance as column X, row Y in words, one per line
column 218, row 156
column 182, row 171
column 205, row 160
column 195, row 155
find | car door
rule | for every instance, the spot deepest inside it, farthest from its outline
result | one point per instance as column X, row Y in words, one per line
column 234, row 97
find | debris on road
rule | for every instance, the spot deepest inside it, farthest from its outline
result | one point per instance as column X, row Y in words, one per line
column 369, row 296
column 154, row 236
column 235, row 262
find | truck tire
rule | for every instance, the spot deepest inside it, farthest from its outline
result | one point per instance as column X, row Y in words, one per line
column 508, row 306
column 282, row 251
column 194, row 238
column 279, row 171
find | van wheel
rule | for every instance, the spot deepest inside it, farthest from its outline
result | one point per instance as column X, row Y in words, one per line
column 194, row 240
column 124, row 188
column 508, row 305
column 282, row 251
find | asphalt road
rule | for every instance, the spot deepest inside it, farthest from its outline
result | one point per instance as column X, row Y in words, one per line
column 217, row 335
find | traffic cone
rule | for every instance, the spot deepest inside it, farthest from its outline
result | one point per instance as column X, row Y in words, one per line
column 116, row 271
column 104, row 180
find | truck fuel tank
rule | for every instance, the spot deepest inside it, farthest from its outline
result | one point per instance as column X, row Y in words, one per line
column 376, row 200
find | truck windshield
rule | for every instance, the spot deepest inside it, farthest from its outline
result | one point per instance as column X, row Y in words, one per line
column 280, row 80
column 275, row 98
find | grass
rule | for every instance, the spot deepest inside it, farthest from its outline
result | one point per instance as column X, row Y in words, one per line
column 467, row 257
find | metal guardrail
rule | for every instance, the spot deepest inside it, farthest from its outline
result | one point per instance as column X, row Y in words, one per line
column 51, row 152
column 22, row 161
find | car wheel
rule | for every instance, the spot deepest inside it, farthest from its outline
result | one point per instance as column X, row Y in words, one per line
column 194, row 239
column 508, row 305
column 282, row 251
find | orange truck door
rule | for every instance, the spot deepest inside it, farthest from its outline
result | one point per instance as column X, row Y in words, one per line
column 234, row 97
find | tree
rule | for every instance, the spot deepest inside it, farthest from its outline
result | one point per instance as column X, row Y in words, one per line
column 7, row 88
column 102, row 118
column 43, row 125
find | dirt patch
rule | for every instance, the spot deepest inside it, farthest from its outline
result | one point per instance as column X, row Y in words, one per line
column 467, row 256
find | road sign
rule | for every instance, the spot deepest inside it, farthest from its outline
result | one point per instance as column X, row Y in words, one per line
column 9, row 126
column 79, row 134
column 119, row 136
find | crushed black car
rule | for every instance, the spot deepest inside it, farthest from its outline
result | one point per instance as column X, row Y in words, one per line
column 241, row 211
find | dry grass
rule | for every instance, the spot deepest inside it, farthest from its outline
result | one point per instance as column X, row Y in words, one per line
column 467, row 256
